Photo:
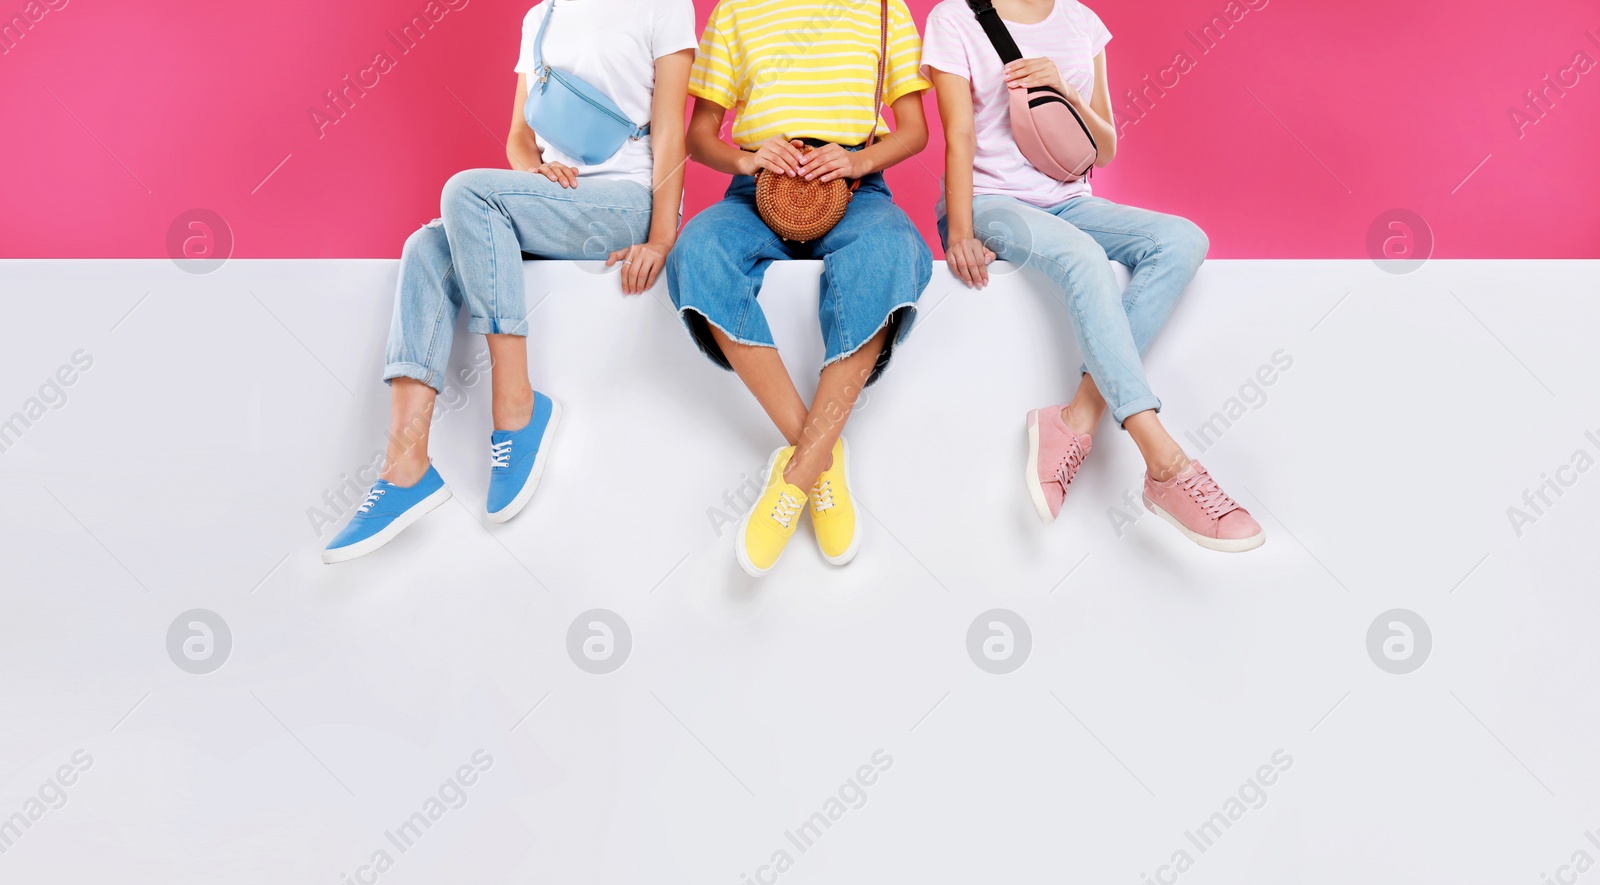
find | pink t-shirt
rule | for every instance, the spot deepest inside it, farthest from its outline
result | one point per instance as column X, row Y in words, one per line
column 1071, row 36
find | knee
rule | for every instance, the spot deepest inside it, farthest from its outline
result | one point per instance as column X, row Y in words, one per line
column 923, row 260
column 692, row 256
column 901, row 237
column 674, row 267
column 890, row 234
column 1185, row 240
column 426, row 242
column 463, row 189
column 700, row 243
column 683, row 250
column 899, row 255
column 907, row 238
column 1082, row 258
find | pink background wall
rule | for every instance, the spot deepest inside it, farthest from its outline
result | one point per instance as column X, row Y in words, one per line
column 1285, row 139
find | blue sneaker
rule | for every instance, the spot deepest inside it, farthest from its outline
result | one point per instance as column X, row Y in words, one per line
column 388, row 510
column 517, row 458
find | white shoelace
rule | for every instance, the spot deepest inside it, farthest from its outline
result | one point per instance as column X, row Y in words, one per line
column 500, row 454
column 787, row 508
column 822, row 496
column 372, row 498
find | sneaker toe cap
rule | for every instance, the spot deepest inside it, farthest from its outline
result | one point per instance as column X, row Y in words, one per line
column 1237, row 526
column 835, row 534
column 356, row 531
column 762, row 548
column 1054, row 497
column 501, row 493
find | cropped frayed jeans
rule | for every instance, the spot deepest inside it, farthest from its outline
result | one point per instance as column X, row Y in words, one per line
column 1070, row 244
column 473, row 257
column 874, row 268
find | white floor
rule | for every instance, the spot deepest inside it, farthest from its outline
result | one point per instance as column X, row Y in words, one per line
column 445, row 676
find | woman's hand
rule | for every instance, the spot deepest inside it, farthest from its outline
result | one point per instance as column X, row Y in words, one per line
column 1027, row 73
column 969, row 260
column 832, row 161
column 774, row 155
column 641, row 264
column 561, row 174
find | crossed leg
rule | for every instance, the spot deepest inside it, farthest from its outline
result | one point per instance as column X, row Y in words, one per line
column 812, row 429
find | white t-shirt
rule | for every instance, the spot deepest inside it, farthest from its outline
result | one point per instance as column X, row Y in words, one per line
column 1071, row 36
column 613, row 45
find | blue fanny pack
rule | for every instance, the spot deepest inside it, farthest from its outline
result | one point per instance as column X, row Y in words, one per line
column 572, row 115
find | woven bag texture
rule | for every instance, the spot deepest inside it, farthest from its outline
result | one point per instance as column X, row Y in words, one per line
column 799, row 210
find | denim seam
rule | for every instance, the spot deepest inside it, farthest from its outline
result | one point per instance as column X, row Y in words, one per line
column 559, row 192
column 752, row 297
column 494, row 256
column 1134, row 282
column 433, row 336
column 501, row 194
column 840, row 305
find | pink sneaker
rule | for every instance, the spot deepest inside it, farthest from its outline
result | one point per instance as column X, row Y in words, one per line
column 1055, row 452
column 1200, row 509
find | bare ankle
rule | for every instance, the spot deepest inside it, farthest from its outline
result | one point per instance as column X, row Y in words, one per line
column 404, row 472
column 801, row 476
column 1082, row 419
column 1165, row 468
column 512, row 410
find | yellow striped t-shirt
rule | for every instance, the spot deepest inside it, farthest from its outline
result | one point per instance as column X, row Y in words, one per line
column 805, row 68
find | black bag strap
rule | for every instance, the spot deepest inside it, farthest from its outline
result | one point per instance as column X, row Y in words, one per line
column 996, row 28
column 1000, row 36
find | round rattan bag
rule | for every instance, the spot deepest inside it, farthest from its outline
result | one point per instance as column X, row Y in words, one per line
column 799, row 210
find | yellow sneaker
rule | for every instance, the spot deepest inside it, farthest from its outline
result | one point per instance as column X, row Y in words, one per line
column 767, row 528
column 833, row 510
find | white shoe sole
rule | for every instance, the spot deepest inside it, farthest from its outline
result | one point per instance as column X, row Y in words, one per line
column 1237, row 545
column 855, row 542
column 390, row 531
column 526, row 495
column 744, row 522
column 1035, row 490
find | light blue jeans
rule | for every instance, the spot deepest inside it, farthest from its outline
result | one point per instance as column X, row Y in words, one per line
column 1070, row 243
column 473, row 256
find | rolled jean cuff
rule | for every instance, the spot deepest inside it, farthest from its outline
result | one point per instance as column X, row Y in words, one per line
column 415, row 371
column 1123, row 412
column 498, row 326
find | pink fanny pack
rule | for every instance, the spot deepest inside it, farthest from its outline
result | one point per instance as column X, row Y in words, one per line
column 1049, row 131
